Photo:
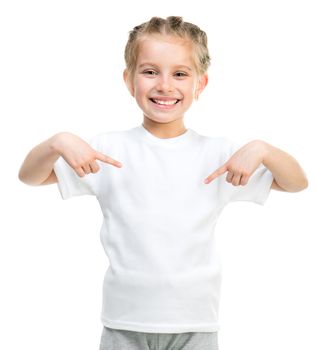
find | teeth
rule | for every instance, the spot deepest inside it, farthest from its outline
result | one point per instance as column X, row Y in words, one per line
column 160, row 102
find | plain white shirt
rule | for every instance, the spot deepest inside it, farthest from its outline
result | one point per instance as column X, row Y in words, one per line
column 164, row 272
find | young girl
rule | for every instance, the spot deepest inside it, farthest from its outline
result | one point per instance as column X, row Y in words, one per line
column 161, row 194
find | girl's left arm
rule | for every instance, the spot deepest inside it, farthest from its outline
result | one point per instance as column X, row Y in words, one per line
column 288, row 174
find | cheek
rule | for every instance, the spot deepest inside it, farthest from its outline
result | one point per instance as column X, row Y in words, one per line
column 188, row 87
column 141, row 87
column 189, row 91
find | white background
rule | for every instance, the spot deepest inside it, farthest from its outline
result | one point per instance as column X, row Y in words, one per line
column 61, row 70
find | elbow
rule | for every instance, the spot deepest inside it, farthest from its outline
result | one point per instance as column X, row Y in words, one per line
column 302, row 185
column 305, row 184
column 24, row 178
column 297, row 186
column 21, row 176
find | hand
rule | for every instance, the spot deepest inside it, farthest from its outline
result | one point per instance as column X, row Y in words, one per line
column 80, row 155
column 242, row 164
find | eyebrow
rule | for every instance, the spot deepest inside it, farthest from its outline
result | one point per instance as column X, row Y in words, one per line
column 152, row 64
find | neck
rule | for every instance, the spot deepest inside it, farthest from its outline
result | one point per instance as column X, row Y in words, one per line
column 165, row 130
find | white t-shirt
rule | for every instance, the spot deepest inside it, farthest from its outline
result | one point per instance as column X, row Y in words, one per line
column 164, row 272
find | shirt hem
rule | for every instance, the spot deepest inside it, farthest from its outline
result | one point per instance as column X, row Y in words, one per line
column 161, row 328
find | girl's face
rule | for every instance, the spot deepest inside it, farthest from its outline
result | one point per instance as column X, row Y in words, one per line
column 165, row 82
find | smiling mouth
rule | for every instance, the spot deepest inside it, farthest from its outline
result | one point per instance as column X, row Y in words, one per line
column 164, row 103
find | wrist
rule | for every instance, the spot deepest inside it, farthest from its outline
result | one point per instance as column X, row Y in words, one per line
column 262, row 148
column 267, row 151
column 56, row 142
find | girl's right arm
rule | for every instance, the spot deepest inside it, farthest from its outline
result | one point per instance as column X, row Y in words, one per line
column 38, row 166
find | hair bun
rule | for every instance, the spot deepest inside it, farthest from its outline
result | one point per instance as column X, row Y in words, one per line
column 175, row 21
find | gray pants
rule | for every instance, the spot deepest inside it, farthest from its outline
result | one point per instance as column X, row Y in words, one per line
column 119, row 339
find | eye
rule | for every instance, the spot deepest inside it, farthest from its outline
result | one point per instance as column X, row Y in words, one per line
column 181, row 74
column 149, row 72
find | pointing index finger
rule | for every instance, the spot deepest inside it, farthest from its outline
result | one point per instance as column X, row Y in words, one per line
column 220, row 171
column 106, row 159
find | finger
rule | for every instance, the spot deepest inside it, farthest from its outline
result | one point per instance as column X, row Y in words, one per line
column 106, row 159
column 220, row 171
column 94, row 167
column 86, row 169
column 236, row 180
column 229, row 176
column 244, row 180
column 79, row 171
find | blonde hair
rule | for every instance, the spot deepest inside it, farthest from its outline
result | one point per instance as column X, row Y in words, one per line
column 172, row 25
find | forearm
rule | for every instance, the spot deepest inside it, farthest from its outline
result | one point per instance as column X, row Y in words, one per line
column 285, row 169
column 39, row 162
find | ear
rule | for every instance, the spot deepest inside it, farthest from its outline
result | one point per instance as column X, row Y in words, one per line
column 128, row 81
column 201, row 84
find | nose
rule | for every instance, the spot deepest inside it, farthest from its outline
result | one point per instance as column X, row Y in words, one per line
column 164, row 84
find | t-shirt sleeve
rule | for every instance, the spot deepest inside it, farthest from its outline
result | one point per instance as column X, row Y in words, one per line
column 69, row 183
column 256, row 190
